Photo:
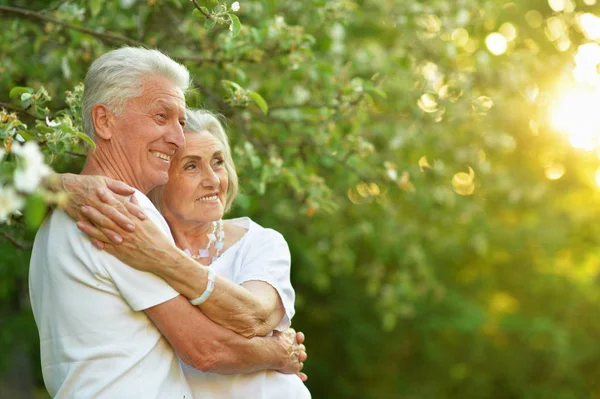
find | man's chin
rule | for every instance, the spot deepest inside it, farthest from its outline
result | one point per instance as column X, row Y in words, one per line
column 160, row 178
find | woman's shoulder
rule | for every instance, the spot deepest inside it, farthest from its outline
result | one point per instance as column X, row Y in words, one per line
column 256, row 231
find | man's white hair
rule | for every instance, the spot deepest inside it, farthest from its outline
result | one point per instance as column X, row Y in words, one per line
column 117, row 76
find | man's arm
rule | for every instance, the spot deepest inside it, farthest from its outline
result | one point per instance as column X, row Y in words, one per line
column 208, row 346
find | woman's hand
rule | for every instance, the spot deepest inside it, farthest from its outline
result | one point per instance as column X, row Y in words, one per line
column 294, row 342
column 143, row 249
column 113, row 199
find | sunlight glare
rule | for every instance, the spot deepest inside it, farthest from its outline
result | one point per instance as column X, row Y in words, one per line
column 576, row 114
column 590, row 25
column 587, row 60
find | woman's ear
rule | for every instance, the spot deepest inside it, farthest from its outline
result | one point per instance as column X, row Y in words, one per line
column 102, row 119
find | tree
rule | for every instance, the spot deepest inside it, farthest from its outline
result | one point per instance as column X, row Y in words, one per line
column 442, row 229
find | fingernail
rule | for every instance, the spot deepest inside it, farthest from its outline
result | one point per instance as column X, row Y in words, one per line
column 84, row 209
column 141, row 215
column 117, row 239
column 130, row 226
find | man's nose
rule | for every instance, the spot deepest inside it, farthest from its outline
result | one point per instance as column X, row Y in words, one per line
column 176, row 136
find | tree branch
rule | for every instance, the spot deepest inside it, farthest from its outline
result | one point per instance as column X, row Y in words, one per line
column 76, row 154
column 206, row 15
column 17, row 243
column 305, row 105
column 20, row 110
column 108, row 37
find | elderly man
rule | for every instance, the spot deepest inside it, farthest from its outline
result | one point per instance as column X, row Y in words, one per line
column 108, row 330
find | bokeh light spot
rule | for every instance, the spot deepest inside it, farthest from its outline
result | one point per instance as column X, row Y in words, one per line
column 496, row 43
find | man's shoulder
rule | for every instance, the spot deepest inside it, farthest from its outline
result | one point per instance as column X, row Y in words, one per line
column 152, row 212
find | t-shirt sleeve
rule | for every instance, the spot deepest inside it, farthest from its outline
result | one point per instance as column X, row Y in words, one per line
column 141, row 290
column 268, row 259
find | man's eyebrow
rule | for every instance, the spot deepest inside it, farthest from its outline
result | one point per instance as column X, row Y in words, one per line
column 164, row 104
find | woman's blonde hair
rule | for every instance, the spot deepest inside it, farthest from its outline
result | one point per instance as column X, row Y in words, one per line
column 199, row 120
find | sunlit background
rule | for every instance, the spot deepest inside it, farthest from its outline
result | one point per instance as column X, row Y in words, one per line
column 433, row 164
column 574, row 109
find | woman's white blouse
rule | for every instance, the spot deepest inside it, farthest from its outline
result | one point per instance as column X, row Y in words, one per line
column 261, row 254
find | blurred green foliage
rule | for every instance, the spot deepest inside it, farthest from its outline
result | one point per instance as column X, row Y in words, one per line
column 444, row 236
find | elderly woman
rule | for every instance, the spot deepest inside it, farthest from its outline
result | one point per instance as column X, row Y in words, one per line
column 201, row 188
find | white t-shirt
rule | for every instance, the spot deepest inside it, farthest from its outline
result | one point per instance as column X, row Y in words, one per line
column 96, row 342
column 261, row 254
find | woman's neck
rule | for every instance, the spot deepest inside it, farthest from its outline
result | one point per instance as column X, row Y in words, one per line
column 191, row 236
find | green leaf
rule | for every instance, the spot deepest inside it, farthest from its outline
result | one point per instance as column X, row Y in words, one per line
column 262, row 104
column 27, row 135
column 17, row 92
column 26, row 96
column 35, row 211
column 236, row 25
column 209, row 23
column 378, row 92
column 234, row 86
column 96, row 7
column 87, row 139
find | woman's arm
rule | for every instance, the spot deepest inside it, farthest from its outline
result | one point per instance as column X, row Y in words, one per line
column 147, row 249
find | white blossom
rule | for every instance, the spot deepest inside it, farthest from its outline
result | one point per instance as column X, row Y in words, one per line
column 50, row 123
column 10, row 202
column 235, row 7
column 301, row 94
column 392, row 174
column 32, row 169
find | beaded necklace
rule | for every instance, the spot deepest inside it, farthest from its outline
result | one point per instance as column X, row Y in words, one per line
column 217, row 237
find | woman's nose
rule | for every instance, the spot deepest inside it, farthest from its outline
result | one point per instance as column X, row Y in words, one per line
column 210, row 178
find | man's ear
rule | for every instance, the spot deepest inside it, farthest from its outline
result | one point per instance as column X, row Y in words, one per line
column 102, row 119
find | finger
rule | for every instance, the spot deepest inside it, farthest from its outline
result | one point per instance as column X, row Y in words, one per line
column 301, row 365
column 300, row 337
column 302, row 356
column 96, row 235
column 303, row 376
column 103, row 215
column 118, row 187
column 117, row 212
column 103, row 223
column 134, row 209
column 98, row 244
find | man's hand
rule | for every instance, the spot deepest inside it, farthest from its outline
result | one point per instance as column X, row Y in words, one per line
column 294, row 343
column 112, row 199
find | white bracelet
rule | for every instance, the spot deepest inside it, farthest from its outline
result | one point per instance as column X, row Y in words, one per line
column 209, row 288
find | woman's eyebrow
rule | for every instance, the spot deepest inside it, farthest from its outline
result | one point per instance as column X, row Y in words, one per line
column 218, row 152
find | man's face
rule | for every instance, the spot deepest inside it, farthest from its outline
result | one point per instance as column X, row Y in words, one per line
column 149, row 132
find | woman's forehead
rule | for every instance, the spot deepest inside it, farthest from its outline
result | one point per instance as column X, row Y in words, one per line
column 201, row 144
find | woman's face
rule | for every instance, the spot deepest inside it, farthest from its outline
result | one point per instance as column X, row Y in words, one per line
column 197, row 188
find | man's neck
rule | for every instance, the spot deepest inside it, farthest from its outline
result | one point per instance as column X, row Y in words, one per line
column 102, row 162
